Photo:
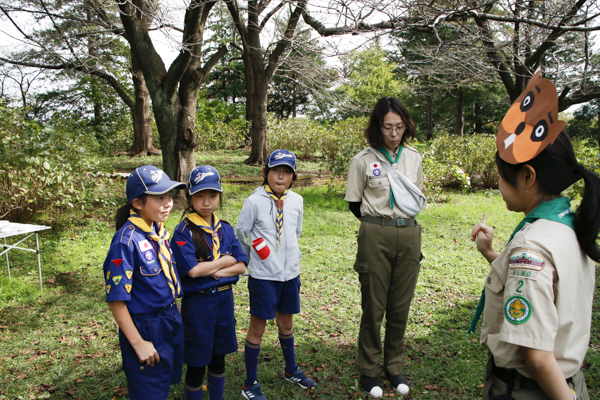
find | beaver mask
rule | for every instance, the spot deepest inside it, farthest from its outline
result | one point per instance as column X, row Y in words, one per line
column 531, row 123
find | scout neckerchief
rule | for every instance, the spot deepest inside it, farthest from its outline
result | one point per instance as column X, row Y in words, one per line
column 558, row 210
column 213, row 231
column 164, row 255
column 279, row 204
column 394, row 165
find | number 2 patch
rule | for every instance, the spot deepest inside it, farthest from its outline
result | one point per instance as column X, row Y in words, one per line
column 517, row 310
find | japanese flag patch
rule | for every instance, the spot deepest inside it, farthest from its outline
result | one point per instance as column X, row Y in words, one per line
column 144, row 245
column 375, row 165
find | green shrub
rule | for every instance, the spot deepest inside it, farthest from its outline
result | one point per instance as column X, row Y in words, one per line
column 220, row 125
column 346, row 139
column 39, row 168
column 303, row 137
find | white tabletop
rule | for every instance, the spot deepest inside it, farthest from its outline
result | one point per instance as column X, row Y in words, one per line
column 14, row 228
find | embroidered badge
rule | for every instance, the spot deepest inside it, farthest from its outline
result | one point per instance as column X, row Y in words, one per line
column 376, row 172
column 148, row 255
column 281, row 155
column 129, row 274
column 526, row 259
column 117, row 261
column 117, row 279
column 374, row 165
column 156, row 175
column 144, row 245
column 395, row 166
column 108, row 289
column 200, row 177
column 108, row 275
column 523, row 273
column 517, row 310
column 128, row 288
column 181, row 243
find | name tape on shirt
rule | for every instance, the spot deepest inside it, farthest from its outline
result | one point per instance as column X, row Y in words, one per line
column 524, row 258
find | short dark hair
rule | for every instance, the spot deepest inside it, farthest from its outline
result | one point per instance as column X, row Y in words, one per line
column 384, row 105
column 267, row 169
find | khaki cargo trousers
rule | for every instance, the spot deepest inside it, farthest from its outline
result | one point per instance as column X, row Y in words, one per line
column 387, row 263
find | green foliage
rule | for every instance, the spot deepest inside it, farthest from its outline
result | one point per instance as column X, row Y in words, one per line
column 220, row 125
column 39, row 167
column 585, row 121
column 303, row 137
column 348, row 141
column 464, row 162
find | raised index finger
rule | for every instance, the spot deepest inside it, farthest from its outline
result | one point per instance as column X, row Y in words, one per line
column 483, row 218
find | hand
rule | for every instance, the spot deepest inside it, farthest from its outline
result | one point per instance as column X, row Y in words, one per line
column 147, row 353
column 483, row 236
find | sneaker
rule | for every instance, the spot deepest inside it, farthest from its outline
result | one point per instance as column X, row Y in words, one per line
column 253, row 392
column 371, row 385
column 302, row 380
column 399, row 384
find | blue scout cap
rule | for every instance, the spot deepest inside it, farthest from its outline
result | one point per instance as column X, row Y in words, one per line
column 204, row 177
column 281, row 157
column 149, row 180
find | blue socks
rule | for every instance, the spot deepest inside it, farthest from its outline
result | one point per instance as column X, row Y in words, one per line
column 193, row 393
column 289, row 352
column 251, row 353
column 216, row 385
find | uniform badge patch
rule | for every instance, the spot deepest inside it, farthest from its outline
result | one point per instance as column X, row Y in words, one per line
column 117, row 261
column 148, row 255
column 144, row 245
column 108, row 289
column 129, row 274
column 376, row 172
column 128, row 288
column 374, row 165
column 526, row 259
column 108, row 275
column 523, row 274
column 117, row 279
column 517, row 310
column 181, row 243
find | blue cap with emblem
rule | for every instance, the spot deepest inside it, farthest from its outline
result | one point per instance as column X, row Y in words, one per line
column 281, row 157
column 149, row 180
column 204, row 177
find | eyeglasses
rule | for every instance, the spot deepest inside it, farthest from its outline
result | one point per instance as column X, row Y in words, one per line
column 387, row 130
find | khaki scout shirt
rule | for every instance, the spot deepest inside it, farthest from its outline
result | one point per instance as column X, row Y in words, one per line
column 372, row 187
column 539, row 294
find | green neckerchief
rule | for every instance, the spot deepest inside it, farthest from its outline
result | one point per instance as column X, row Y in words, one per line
column 392, row 163
column 558, row 210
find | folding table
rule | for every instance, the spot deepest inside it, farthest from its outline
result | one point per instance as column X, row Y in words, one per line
column 15, row 229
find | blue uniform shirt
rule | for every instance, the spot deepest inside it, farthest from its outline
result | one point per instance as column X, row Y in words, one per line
column 133, row 272
column 184, row 253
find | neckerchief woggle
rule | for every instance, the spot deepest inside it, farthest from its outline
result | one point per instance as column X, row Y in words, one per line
column 557, row 210
column 164, row 255
column 394, row 164
column 279, row 204
column 211, row 230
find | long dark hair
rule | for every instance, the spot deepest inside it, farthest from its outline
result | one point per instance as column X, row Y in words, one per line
column 123, row 213
column 198, row 236
column 588, row 212
column 385, row 105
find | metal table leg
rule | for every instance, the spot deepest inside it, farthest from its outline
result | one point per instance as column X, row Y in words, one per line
column 37, row 248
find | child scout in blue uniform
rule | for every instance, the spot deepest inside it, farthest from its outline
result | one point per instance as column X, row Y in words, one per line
column 272, row 216
column 539, row 291
column 209, row 259
column 142, row 285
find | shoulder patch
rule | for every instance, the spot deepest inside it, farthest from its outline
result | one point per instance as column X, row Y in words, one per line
column 128, row 288
column 107, row 289
column 129, row 274
column 107, row 275
column 525, row 258
column 517, row 310
column 181, row 243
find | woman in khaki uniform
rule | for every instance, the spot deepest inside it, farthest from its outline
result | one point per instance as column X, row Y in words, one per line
column 539, row 291
column 389, row 242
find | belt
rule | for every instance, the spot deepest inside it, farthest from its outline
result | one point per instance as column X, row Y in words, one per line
column 506, row 375
column 399, row 223
column 216, row 289
column 157, row 312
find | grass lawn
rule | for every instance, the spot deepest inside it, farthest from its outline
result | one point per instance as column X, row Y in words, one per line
column 62, row 343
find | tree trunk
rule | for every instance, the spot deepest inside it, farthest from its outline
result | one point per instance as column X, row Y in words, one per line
column 459, row 121
column 257, row 112
column 478, row 121
column 142, row 117
column 429, row 117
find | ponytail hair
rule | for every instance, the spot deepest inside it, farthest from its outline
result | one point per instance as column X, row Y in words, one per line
column 564, row 162
column 123, row 213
